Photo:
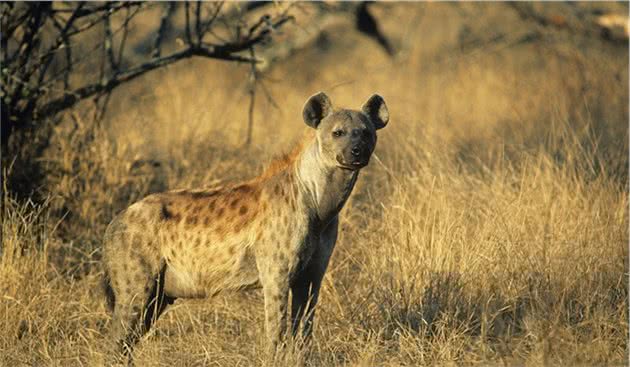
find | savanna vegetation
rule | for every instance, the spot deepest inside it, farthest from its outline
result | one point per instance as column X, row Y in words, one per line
column 491, row 227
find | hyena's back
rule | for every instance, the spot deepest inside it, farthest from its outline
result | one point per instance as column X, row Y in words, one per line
column 184, row 234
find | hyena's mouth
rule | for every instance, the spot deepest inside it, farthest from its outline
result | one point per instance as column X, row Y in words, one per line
column 356, row 165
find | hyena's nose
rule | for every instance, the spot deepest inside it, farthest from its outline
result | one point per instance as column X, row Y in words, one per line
column 356, row 151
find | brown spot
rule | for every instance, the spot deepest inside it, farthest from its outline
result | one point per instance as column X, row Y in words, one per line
column 221, row 235
column 261, row 250
column 206, row 221
column 231, row 250
column 277, row 189
column 234, row 203
column 200, row 207
column 190, row 206
column 243, row 210
column 136, row 240
column 192, row 220
column 278, row 277
column 211, row 205
column 220, row 211
column 167, row 212
column 132, row 215
column 244, row 188
column 144, row 264
column 277, row 296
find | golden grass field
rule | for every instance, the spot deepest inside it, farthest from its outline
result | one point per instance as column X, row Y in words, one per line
column 491, row 227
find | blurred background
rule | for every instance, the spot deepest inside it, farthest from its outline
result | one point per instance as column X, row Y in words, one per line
column 491, row 227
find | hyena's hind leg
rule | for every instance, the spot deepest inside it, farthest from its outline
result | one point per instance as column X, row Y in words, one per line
column 139, row 301
column 157, row 302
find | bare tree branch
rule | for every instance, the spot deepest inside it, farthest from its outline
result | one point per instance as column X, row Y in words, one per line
column 187, row 10
column 253, row 77
column 125, row 27
column 198, row 22
column 166, row 15
column 33, row 89
column 205, row 28
column 108, row 43
column 90, row 90
column 106, row 8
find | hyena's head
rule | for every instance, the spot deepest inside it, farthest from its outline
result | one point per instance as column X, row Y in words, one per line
column 346, row 138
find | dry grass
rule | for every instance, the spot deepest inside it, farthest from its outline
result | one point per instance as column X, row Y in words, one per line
column 492, row 227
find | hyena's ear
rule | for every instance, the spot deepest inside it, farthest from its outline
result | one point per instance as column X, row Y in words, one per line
column 376, row 110
column 316, row 108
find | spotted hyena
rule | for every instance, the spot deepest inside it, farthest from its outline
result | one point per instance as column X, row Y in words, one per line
column 277, row 230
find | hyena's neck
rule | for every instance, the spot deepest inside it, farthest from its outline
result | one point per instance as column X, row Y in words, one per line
column 325, row 186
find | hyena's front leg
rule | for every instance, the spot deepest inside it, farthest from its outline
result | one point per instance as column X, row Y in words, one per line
column 305, row 291
column 276, row 296
column 305, row 288
column 275, row 283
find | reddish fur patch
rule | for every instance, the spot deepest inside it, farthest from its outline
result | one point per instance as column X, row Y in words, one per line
column 283, row 162
column 234, row 208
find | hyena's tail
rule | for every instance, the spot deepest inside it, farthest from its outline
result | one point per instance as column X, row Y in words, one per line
column 109, row 291
column 113, row 227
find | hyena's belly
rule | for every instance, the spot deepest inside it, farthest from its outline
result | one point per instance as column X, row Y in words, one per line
column 201, row 271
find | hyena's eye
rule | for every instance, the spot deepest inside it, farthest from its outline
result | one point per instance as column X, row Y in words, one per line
column 338, row 133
